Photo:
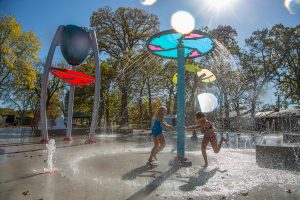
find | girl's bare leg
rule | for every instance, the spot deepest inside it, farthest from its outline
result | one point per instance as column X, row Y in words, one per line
column 204, row 144
column 162, row 144
column 156, row 146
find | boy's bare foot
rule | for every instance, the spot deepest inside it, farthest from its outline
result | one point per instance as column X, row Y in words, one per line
column 205, row 166
column 223, row 139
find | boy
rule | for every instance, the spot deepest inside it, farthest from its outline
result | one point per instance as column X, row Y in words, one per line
column 209, row 135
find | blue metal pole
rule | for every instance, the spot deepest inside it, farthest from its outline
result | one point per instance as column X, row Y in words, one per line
column 180, row 102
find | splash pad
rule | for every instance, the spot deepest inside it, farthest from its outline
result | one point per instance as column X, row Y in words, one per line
column 94, row 171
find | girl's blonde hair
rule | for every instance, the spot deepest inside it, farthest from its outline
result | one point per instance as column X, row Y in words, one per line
column 160, row 108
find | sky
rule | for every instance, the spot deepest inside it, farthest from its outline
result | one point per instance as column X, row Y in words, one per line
column 43, row 17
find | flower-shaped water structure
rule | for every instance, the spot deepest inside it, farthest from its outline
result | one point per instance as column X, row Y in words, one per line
column 73, row 77
column 165, row 44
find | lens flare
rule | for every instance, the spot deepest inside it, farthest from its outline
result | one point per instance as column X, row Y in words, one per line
column 293, row 6
column 147, row 2
column 208, row 102
column 183, row 22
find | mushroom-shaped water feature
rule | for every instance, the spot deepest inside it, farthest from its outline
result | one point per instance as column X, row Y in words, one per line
column 173, row 45
column 75, row 43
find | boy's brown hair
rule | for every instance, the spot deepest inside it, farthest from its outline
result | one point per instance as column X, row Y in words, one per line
column 199, row 115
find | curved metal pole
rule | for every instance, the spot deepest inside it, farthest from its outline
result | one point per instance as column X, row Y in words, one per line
column 70, row 111
column 43, row 111
column 180, row 103
column 97, row 88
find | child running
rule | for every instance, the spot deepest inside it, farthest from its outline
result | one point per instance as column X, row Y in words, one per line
column 209, row 135
column 158, row 137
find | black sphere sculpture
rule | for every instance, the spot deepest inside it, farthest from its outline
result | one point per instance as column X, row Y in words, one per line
column 75, row 44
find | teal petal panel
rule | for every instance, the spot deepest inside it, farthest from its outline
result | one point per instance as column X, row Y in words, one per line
column 172, row 53
column 169, row 54
column 167, row 41
column 203, row 45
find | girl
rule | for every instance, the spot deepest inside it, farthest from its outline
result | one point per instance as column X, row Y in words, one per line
column 209, row 135
column 158, row 137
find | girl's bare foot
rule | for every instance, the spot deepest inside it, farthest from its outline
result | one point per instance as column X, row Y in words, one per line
column 151, row 159
column 205, row 165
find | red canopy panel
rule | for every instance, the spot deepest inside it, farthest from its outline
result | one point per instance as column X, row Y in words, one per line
column 73, row 77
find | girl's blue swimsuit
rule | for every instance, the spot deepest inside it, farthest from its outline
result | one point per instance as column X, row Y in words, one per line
column 156, row 128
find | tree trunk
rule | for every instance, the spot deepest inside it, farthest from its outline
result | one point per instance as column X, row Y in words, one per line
column 124, row 108
column 149, row 101
column 107, row 110
column 221, row 116
column 298, row 87
column 141, row 106
column 169, row 100
column 193, row 91
column 226, row 106
column 238, row 114
column 101, row 107
column 175, row 104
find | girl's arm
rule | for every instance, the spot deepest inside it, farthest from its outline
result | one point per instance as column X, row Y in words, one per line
column 167, row 126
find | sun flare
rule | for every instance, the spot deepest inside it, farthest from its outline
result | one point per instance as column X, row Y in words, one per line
column 220, row 5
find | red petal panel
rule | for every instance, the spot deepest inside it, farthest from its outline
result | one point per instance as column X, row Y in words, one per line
column 73, row 77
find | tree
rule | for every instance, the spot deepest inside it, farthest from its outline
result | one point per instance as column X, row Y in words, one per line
column 84, row 97
column 168, row 72
column 260, row 61
column 287, row 48
column 122, row 34
column 18, row 51
column 54, row 94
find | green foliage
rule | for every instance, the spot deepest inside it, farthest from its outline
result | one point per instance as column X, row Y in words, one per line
column 123, row 30
column 7, row 111
column 18, row 51
column 286, row 42
column 122, row 35
column 84, row 96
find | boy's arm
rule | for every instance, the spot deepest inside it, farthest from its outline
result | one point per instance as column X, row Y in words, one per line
column 193, row 127
column 207, row 124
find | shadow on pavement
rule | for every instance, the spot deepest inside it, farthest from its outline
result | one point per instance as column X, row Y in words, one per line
column 148, row 189
column 23, row 177
column 136, row 172
column 200, row 180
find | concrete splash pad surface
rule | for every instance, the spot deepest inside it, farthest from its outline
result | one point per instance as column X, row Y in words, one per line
column 115, row 169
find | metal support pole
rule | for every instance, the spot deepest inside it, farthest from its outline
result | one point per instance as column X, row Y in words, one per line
column 180, row 103
column 97, row 88
column 55, row 42
column 70, row 111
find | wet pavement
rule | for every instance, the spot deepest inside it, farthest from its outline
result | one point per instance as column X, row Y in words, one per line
column 114, row 168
